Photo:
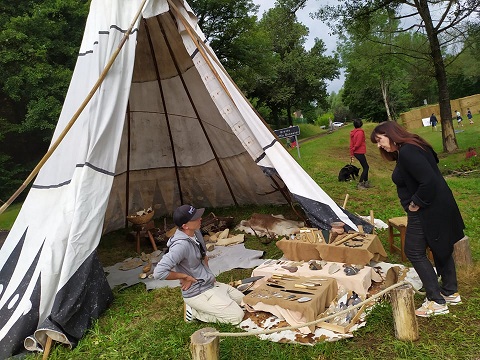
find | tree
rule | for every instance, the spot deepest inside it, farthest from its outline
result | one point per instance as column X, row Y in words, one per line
column 39, row 43
column 419, row 74
column 445, row 27
column 223, row 23
column 370, row 62
column 267, row 59
column 464, row 73
column 299, row 75
column 232, row 31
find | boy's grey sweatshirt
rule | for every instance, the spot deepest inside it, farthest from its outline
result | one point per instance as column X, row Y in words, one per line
column 184, row 257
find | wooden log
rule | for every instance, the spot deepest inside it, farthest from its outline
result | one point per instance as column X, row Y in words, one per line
column 204, row 348
column 462, row 253
column 403, row 306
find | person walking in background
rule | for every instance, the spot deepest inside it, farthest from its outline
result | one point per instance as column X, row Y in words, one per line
column 434, row 219
column 459, row 118
column 205, row 299
column 358, row 148
column 433, row 122
column 469, row 116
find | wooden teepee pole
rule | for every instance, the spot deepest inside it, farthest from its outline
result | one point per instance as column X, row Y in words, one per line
column 197, row 41
column 76, row 115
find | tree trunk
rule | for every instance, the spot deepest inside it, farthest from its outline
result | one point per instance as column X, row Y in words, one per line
column 448, row 134
column 289, row 116
column 383, row 87
column 275, row 117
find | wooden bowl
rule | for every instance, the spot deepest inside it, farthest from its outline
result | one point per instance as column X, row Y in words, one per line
column 141, row 219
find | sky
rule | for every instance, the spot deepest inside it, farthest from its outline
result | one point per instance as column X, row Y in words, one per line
column 316, row 28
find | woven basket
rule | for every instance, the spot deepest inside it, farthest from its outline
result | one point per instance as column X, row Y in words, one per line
column 141, row 219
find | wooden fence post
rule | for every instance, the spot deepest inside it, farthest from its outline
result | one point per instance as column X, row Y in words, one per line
column 204, row 348
column 403, row 305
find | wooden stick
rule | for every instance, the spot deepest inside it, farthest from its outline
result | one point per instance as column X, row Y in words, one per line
column 372, row 218
column 345, row 238
column 333, row 235
column 76, row 115
column 345, row 201
column 48, row 346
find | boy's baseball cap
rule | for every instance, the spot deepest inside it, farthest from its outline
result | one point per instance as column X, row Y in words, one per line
column 186, row 213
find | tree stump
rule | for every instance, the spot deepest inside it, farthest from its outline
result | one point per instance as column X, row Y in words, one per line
column 462, row 253
column 403, row 305
column 204, row 348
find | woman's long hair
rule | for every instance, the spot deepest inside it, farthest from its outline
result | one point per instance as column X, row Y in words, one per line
column 397, row 136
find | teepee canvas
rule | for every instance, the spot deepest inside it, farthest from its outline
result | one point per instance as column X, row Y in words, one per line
column 166, row 126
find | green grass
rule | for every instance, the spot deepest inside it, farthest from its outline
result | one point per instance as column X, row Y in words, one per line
column 309, row 130
column 144, row 324
column 8, row 216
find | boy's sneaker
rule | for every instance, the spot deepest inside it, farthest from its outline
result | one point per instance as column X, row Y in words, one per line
column 187, row 313
column 431, row 308
column 453, row 299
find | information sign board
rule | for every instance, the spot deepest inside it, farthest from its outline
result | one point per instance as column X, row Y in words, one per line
column 287, row 132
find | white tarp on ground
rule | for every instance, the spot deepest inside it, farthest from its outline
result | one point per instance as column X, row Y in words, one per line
column 221, row 259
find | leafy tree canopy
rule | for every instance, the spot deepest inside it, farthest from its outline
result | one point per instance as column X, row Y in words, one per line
column 444, row 23
column 39, row 42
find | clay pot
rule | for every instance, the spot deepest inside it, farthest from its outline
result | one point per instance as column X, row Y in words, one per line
column 338, row 227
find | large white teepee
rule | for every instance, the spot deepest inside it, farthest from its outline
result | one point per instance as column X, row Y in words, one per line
column 167, row 126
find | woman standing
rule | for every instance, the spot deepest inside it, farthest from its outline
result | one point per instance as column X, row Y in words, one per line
column 434, row 219
column 358, row 148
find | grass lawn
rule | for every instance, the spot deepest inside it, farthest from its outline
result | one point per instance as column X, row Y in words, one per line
column 149, row 325
column 9, row 216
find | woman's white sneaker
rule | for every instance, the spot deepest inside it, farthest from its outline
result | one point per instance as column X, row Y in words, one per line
column 431, row 308
column 453, row 299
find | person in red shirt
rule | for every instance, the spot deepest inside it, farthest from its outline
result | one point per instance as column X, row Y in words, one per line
column 358, row 148
column 470, row 153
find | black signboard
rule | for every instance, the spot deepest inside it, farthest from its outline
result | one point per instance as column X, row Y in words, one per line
column 287, row 132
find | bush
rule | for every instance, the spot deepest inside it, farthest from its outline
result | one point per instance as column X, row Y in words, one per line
column 323, row 120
